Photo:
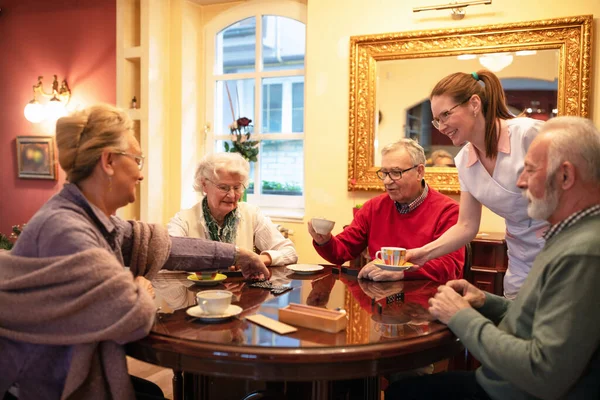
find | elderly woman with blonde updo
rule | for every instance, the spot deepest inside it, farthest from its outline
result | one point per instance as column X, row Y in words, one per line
column 220, row 216
column 67, row 302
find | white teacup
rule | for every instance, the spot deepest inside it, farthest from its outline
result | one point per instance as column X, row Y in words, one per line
column 392, row 255
column 214, row 302
column 322, row 226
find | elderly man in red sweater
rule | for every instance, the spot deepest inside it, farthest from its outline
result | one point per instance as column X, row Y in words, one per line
column 409, row 215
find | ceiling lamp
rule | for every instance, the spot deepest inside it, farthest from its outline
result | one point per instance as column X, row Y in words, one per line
column 496, row 62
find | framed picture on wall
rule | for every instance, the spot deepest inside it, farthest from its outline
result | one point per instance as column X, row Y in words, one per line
column 36, row 157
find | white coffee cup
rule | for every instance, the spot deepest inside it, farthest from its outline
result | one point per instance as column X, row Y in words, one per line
column 322, row 226
column 214, row 302
column 392, row 255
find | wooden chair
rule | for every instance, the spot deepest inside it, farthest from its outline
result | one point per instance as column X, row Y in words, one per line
column 468, row 263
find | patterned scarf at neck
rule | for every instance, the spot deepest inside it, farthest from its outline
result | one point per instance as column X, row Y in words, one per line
column 228, row 232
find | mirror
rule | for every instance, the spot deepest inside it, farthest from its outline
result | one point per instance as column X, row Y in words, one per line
column 391, row 76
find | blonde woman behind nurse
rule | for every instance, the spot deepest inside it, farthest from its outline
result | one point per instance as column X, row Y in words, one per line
column 220, row 216
column 471, row 110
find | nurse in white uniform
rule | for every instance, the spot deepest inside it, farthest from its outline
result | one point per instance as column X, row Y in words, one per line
column 471, row 109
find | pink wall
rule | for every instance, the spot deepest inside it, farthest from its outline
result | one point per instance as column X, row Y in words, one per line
column 75, row 39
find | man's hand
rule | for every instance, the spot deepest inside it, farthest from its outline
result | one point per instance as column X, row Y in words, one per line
column 374, row 273
column 380, row 290
column 446, row 303
column 318, row 238
column 469, row 292
column 251, row 265
column 145, row 284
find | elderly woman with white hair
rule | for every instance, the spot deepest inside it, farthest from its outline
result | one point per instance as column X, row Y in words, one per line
column 220, row 216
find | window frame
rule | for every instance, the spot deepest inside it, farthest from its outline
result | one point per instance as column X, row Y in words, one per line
column 271, row 204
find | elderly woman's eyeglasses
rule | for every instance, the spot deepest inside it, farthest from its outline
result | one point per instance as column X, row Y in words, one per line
column 443, row 117
column 226, row 188
column 139, row 160
column 394, row 174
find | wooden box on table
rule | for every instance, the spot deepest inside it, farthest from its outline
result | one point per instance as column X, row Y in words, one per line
column 311, row 317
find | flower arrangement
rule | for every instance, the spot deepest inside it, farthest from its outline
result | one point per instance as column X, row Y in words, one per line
column 5, row 242
column 241, row 129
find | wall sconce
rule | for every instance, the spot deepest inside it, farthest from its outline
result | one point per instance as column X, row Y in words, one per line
column 457, row 8
column 55, row 108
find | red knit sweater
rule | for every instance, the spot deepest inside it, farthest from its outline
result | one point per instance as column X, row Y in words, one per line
column 378, row 224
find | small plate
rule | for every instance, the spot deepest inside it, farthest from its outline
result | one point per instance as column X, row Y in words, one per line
column 207, row 282
column 230, row 312
column 305, row 268
column 396, row 268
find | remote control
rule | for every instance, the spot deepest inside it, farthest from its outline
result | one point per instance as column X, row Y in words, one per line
column 262, row 285
column 280, row 291
column 269, row 286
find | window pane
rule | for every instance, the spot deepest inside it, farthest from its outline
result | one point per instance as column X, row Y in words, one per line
column 283, row 43
column 282, row 167
column 241, row 93
column 220, row 148
column 298, row 107
column 283, row 104
column 271, row 104
column 236, row 48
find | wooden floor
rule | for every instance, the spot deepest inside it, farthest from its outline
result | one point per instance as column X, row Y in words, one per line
column 161, row 376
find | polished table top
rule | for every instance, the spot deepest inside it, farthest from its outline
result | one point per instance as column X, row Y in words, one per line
column 388, row 326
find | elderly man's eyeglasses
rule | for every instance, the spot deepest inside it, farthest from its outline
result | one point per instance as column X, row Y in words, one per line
column 226, row 188
column 137, row 158
column 394, row 174
column 443, row 117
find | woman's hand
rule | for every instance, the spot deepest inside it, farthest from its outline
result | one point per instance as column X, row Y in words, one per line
column 374, row 273
column 317, row 237
column 251, row 265
column 266, row 258
column 417, row 256
column 145, row 284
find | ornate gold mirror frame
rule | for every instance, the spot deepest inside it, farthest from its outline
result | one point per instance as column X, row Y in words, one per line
column 570, row 36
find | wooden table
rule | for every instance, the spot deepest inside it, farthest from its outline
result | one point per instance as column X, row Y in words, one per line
column 389, row 330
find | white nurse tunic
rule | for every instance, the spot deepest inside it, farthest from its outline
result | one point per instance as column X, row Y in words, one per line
column 500, row 194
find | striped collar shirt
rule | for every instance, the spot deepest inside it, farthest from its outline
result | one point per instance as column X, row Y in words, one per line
column 572, row 220
column 405, row 208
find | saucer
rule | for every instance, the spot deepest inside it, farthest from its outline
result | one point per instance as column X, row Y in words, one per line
column 305, row 268
column 207, row 282
column 395, row 268
column 230, row 312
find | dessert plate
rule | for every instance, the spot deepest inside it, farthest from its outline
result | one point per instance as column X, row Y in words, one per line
column 305, row 268
column 230, row 312
column 207, row 281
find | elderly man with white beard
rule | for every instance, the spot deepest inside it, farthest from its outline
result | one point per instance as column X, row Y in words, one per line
column 545, row 343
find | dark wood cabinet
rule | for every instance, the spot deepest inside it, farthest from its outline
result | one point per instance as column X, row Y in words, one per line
column 490, row 261
column 489, row 264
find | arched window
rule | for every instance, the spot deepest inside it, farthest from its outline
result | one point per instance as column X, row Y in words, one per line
column 255, row 69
